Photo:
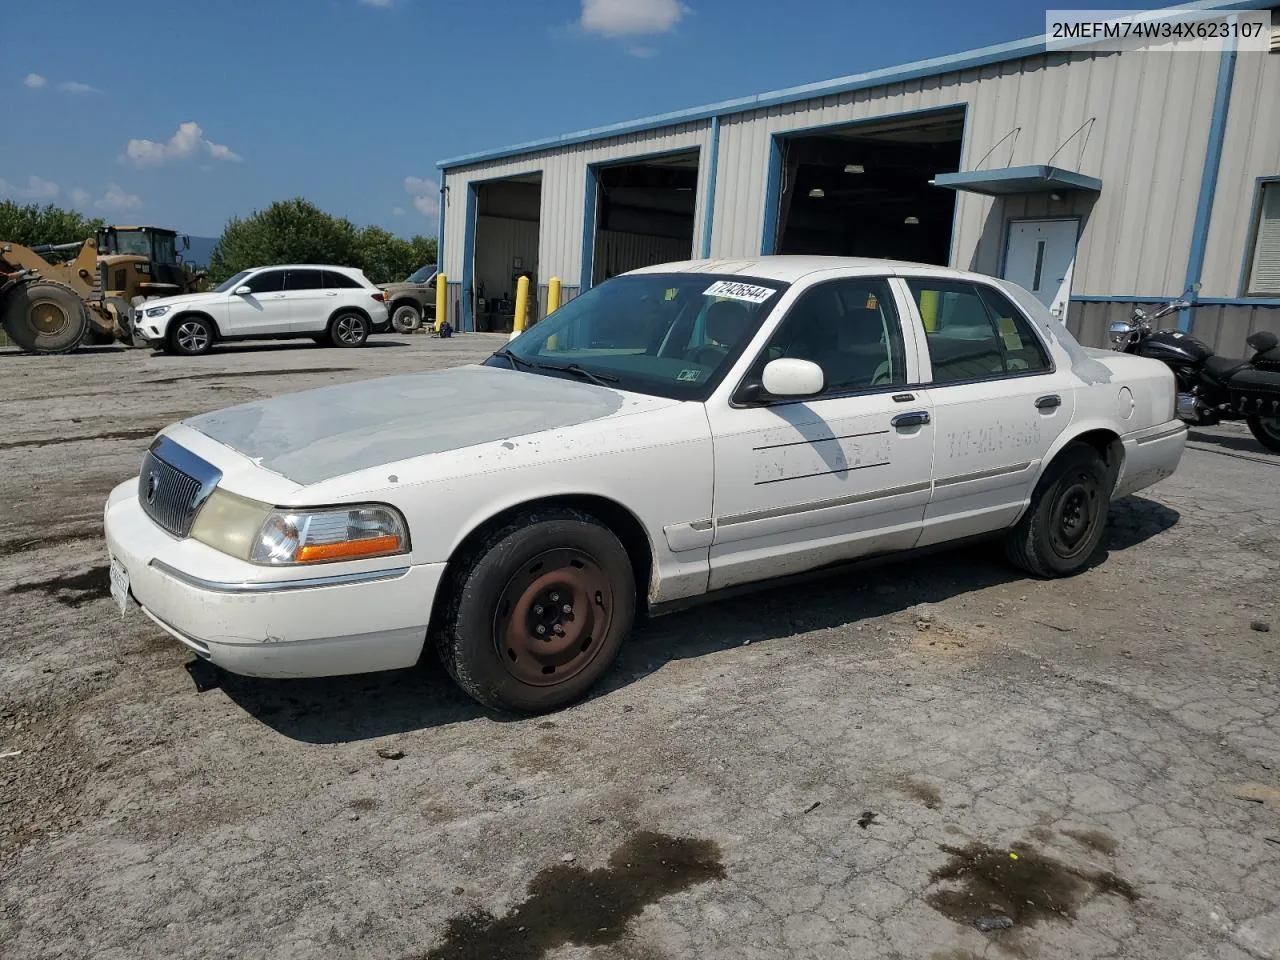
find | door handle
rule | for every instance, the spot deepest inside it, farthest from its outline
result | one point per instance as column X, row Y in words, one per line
column 332, row 293
column 1051, row 402
column 917, row 418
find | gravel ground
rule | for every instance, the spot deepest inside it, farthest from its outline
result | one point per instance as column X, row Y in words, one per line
column 941, row 759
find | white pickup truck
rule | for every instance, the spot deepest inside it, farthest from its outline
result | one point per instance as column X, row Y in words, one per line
column 674, row 432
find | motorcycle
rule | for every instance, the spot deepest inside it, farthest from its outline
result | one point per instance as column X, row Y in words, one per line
column 1211, row 388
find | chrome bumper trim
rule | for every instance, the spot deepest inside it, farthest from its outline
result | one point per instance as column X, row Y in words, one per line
column 278, row 586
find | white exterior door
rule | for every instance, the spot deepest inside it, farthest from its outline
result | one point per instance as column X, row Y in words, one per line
column 263, row 311
column 1040, row 256
column 803, row 483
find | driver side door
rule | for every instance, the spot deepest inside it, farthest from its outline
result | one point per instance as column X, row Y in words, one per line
column 801, row 483
column 263, row 311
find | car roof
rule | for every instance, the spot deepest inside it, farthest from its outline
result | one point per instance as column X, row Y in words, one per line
column 789, row 269
column 308, row 266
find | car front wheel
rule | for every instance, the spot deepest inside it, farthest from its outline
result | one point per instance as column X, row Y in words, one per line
column 190, row 336
column 537, row 610
column 1064, row 524
column 348, row 330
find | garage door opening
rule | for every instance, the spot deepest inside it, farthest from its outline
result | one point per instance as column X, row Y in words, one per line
column 644, row 214
column 864, row 191
column 506, row 248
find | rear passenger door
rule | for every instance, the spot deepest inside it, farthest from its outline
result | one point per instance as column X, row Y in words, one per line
column 309, row 301
column 998, row 402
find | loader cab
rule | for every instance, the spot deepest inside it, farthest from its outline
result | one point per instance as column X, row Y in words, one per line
column 143, row 261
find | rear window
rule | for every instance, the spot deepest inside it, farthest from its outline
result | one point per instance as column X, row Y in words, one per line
column 339, row 281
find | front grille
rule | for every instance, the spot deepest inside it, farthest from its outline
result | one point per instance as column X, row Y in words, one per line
column 174, row 484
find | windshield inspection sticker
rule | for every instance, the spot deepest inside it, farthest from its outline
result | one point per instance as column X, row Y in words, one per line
column 738, row 291
column 689, row 376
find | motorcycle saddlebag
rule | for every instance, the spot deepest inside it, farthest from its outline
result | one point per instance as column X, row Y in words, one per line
column 1256, row 392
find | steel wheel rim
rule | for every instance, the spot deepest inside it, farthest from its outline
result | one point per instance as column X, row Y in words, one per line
column 535, row 597
column 350, row 329
column 192, row 337
column 1074, row 515
column 48, row 317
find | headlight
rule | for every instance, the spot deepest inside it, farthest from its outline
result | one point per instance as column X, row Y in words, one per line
column 157, row 311
column 272, row 536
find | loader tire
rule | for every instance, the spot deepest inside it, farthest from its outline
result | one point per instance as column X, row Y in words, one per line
column 45, row 317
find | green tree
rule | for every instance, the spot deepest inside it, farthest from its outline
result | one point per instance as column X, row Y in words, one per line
column 288, row 231
column 31, row 224
column 386, row 258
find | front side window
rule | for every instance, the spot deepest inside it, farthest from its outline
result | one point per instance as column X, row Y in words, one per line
column 304, row 280
column 229, row 284
column 165, row 248
column 667, row 334
column 974, row 332
column 850, row 328
column 269, row 281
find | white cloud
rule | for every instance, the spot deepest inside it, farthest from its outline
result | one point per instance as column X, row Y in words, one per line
column 116, row 199
column 71, row 86
column 37, row 188
column 618, row 18
column 186, row 142
column 644, row 53
column 425, row 193
column 34, row 81
column 79, row 196
column 397, row 211
column 378, row 3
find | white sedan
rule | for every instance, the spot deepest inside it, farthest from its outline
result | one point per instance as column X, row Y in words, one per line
column 675, row 432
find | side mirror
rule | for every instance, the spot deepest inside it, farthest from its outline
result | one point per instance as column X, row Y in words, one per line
column 789, row 377
column 242, row 291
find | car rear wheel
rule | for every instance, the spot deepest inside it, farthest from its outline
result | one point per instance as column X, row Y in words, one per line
column 406, row 318
column 1267, row 432
column 1064, row 524
column 190, row 336
column 537, row 610
column 348, row 330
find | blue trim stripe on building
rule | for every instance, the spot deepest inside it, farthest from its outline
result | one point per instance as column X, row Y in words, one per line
column 1209, row 176
column 468, row 264
column 709, row 204
column 588, row 230
column 968, row 60
column 772, row 198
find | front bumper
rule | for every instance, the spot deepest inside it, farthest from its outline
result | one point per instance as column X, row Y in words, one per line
column 1150, row 456
column 325, row 621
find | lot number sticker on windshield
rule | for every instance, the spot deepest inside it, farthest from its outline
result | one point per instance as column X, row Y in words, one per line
column 738, row 291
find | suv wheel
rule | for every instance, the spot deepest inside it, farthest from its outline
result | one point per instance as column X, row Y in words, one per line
column 348, row 330
column 190, row 336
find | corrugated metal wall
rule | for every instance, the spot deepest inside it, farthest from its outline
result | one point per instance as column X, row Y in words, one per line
column 564, row 174
column 1251, row 150
column 1146, row 145
column 498, row 241
column 618, row 252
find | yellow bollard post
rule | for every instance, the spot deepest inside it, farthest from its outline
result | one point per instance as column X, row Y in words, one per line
column 553, row 304
column 442, row 300
column 929, row 309
column 522, row 306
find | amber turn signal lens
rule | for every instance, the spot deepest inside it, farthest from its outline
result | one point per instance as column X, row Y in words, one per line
column 349, row 550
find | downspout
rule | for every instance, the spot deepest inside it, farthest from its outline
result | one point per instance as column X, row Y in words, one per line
column 1209, row 176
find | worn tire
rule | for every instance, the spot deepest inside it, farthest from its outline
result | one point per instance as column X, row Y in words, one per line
column 45, row 317
column 406, row 318
column 497, row 588
column 349, row 329
column 1046, row 542
column 1266, row 430
column 189, row 336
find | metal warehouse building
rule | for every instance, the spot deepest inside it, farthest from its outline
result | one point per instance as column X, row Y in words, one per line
column 1097, row 180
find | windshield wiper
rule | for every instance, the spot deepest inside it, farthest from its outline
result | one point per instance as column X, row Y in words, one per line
column 516, row 362
column 599, row 379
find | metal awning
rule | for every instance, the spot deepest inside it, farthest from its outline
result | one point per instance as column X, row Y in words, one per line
column 1033, row 178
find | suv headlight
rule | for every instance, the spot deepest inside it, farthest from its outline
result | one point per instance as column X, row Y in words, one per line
column 294, row 536
column 157, row 311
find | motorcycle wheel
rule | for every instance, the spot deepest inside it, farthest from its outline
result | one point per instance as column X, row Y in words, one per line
column 1267, row 432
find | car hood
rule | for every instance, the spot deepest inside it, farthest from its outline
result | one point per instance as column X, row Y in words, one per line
column 185, row 300
column 320, row 434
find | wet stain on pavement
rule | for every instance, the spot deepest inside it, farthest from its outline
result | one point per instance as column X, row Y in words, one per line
column 72, row 590
column 1094, row 840
column 141, row 433
column 363, row 804
column 1018, row 883
column 926, row 793
column 22, row 545
column 234, row 374
column 568, row 904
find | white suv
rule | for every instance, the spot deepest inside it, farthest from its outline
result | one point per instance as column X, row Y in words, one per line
column 337, row 305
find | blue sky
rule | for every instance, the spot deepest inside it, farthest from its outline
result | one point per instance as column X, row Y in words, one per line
column 183, row 114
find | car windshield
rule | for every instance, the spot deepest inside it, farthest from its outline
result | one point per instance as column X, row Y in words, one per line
column 231, row 283
column 422, row 275
column 667, row 334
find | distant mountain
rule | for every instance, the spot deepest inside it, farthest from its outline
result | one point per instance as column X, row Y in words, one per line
column 201, row 250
